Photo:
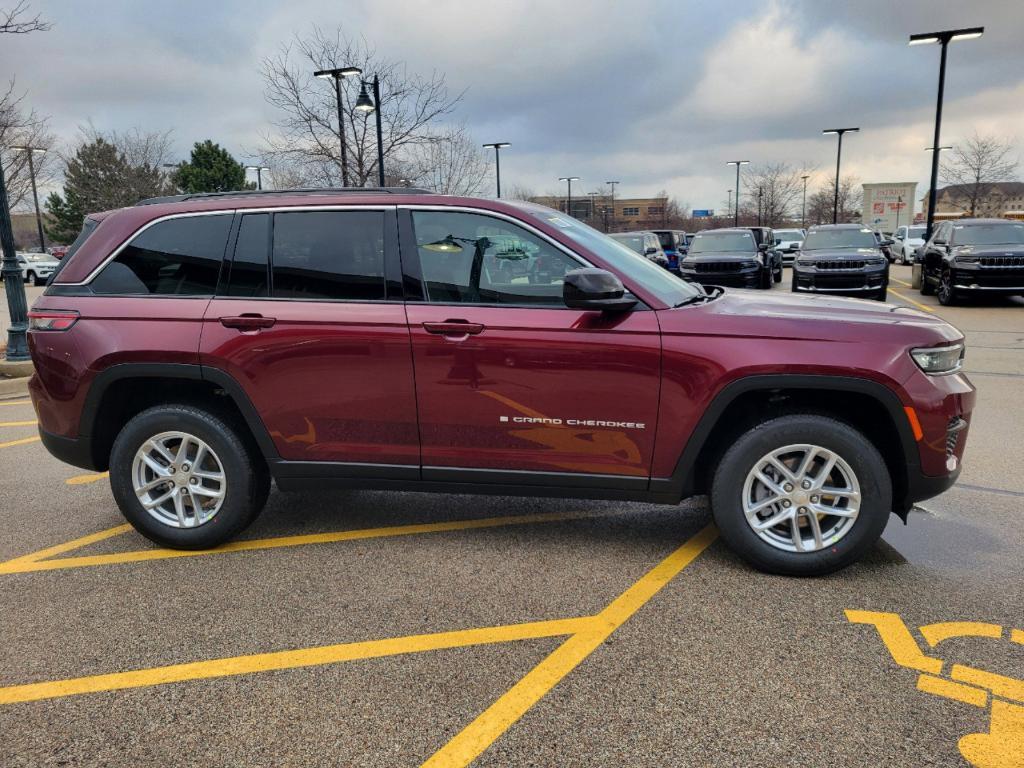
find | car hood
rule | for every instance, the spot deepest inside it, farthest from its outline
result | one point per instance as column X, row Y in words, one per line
column 722, row 256
column 778, row 315
column 838, row 254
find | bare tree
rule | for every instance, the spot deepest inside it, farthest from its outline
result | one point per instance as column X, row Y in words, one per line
column 138, row 147
column 519, row 192
column 20, row 126
column 16, row 21
column 976, row 166
column 308, row 132
column 820, row 203
column 450, row 162
column 780, row 187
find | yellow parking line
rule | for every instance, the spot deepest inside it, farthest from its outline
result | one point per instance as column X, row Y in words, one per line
column 17, row 402
column 92, row 477
column 917, row 304
column 468, row 744
column 60, row 549
column 31, row 563
column 304, row 657
column 901, row 282
column 23, row 441
column 18, row 423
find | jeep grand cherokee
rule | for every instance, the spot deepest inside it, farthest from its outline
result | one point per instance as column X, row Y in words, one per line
column 199, row 346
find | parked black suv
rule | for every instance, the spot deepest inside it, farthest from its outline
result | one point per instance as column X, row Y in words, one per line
column 973, row 256
column 729, row 257
column 772, row 255
column 844, row 259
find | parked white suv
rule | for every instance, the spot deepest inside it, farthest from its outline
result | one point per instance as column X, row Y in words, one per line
column 36, row 268
column 788, row 242
column 907, row 240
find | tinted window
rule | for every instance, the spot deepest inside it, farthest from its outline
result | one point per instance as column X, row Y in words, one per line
column 176, row 257
column 329, row 255
column 249, row 267
column 706, row 242
column 840, row 238
column 988, row 234
column 917, row 232
column 667, row 240
column 633, row 242
column 467, row 257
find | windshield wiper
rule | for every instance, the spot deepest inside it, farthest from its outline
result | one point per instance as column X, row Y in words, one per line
column 698, row 298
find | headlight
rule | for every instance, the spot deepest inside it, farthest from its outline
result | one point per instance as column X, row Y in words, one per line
column 939, row 359
column 965, row 255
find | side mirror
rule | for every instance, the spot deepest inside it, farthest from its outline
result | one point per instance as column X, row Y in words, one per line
column 595, row 289
column 650, row 251
column 762, row 246
column 938, row 242
column 888, row 242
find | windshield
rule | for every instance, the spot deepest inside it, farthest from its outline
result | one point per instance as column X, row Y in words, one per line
column 38, row 257
column 788, row 234
column 839, row 238
column 705, row 242
column 667, row 241
column 633, row 268
column 633, row 242
column 916, row 232
column 989, row 234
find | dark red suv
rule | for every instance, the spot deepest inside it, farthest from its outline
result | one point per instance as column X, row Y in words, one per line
column 200, row 346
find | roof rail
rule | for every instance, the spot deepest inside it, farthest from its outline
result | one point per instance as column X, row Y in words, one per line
column 280, row 192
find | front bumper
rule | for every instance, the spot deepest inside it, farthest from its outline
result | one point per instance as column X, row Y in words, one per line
column 747, row 278
column 854, row 282
column 994, row 279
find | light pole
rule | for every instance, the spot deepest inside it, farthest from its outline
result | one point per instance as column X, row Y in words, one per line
column 365, row 104
column 759, row 191
column 612, row 185
column 729, row 206
column 803, row 206
column 338, row 75
column 943, row 39
column 17, row 306
column 839, row 154
column 497, row 163
column 930, row 149
column 568, row 200
column 736, row 208
column 593, row 203
column 35, row 196
column 259, row 173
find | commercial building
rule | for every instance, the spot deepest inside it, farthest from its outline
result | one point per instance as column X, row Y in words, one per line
column 623, row 215
column 888, row 205
column 995, row 199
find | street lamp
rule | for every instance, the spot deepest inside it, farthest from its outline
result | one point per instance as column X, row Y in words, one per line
column 839, row 153
column 736, row 208
column 942, row 38
column 728, row 207
column 593, row 203
column 803, row 207
column 338, row 75
column 568, row 201
column 14, row 286
column 259, row 173
column 365, row 104
column 759, row 191
column 612, row 185
column 497, row 162
column 35, row 197
column 933, row 149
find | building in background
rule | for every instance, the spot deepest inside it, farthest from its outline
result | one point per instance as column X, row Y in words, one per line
column 995, row 199
column 888, row 205
column 626, row 215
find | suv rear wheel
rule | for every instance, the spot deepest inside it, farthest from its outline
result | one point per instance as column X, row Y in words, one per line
column 186, row 479
column 801, row 495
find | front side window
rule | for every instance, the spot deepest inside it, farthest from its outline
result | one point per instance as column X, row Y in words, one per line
column 328, row 255
column 635, row 243
column 175, row 257
column 477, row 259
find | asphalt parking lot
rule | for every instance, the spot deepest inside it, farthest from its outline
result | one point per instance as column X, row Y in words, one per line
column 390, row 629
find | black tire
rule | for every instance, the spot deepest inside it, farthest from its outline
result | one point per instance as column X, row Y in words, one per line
column 883, row 294
column 858, row 452
column 246, row 474
column 33, row 279
column 946, row 293
column 926, row 287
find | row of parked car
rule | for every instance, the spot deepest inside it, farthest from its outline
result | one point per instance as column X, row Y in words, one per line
column 843, row 259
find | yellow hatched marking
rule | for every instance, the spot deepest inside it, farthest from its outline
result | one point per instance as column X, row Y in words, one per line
column 18, row 423
column 10, row 566
column 23, row 441
column 17, row 402
column 86, row 479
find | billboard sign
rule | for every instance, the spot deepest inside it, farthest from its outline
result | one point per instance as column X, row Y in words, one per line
column 887, row 206
column 703, row 213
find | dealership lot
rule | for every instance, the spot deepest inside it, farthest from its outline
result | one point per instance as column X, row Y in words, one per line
column 374, row 628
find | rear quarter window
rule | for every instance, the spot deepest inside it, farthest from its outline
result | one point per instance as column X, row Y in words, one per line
column 174, row 257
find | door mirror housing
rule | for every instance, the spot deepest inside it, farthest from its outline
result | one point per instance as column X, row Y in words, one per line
column 888, row 242
column 937, row 241
column 762, row 246
column 650, row 251
column 595, row 289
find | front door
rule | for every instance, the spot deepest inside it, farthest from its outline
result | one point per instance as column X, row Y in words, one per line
column 510, row 380
column 310, row 326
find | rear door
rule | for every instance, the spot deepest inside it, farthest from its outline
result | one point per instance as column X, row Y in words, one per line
column 311, row 324
column 512, row 385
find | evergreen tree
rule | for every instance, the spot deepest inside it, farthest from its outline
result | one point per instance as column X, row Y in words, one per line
column 98, row 178
column 211, row 169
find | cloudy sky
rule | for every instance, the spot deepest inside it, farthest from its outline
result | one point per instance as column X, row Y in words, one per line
column 655, row 93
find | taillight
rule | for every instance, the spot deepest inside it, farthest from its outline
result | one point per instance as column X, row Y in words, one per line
column 56, row 320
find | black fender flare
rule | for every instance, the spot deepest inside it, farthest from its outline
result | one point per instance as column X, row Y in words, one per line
column 681, row 483
column 222, row 379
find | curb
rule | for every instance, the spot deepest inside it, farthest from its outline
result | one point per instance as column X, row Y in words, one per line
column 13, row 387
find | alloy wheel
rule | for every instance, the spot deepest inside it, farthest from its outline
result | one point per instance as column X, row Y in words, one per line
column 178, row 479
column 801, row 498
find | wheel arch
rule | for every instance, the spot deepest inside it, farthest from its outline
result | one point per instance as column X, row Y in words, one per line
column 868, row 405
column 114, row 397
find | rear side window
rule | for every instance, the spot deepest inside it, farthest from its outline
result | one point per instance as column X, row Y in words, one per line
column 88, row 227
column 176, row 257
column 249, row 267
column 329, row 255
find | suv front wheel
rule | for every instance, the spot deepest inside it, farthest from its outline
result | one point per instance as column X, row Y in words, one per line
column 186, row 479
column 801, row 495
